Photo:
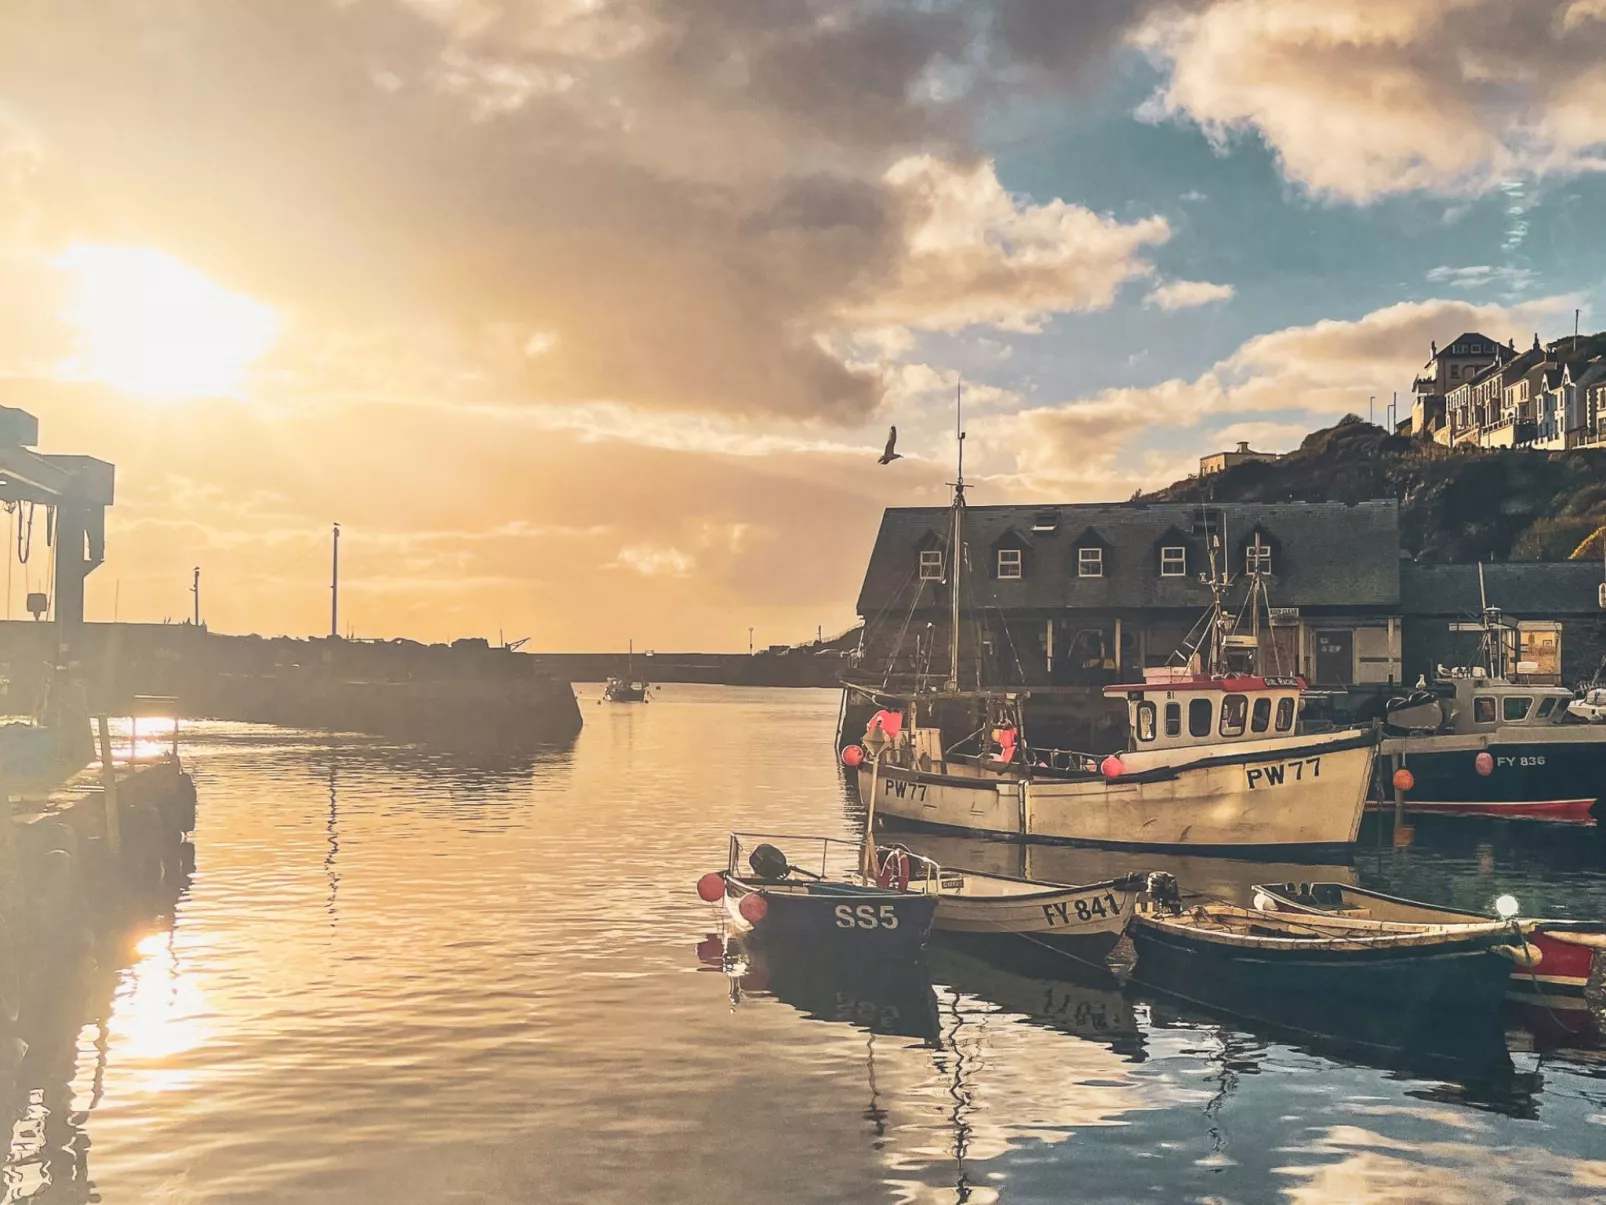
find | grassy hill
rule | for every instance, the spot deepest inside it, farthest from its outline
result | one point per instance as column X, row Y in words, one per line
column 1455, row 506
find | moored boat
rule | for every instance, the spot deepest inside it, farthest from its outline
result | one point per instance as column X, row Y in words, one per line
column 1557, row 980
column 1082, row 922
column 1326, row 975
column 627, row 688
column 775, row 901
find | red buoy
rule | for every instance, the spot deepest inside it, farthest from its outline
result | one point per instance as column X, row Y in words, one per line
column 1404, row 780
column 1484, row 763
column 852, row 756
column 711, row 886
column 1111, row 767
column 753, row 907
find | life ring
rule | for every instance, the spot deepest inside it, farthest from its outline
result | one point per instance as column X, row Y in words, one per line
column 893, row 870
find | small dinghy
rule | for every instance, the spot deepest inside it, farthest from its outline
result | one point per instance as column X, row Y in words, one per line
column 1327, row 975
column 1084, row 922
column 775, row 901
column 1565, row 949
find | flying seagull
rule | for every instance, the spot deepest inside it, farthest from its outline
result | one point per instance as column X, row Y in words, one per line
column 889, row 455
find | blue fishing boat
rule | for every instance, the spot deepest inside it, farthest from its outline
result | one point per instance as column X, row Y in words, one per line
column 772, row 900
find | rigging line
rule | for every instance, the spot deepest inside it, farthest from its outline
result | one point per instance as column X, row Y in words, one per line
column 903, row 634
column 25, row 550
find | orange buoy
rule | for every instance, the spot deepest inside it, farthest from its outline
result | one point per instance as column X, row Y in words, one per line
column 1404, row 780
column 1484, row 763
column 711, row 886
column 753, row 907
column 1112, row 768
column 852, row 756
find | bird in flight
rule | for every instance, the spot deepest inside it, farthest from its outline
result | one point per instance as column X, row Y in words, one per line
column 890, row 455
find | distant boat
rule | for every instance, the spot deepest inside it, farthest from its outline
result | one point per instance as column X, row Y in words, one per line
column 628, row 689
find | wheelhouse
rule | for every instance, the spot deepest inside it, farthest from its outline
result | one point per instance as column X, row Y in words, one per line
column 1176, row 708
column 1483, row 704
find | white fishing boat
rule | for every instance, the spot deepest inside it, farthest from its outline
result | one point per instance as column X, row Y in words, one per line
column 1216, row 760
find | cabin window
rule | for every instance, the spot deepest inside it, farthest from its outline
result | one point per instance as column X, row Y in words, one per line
column 1173, row 719
column 1516, row 707
column 1546, row 706
column 931, row 565
column 1199, row 716
column 1090, row 562
column 1260, row 717
column 1145, row 721
column 1174, row 561
column 1234, row 711
column 1009, row 562
column 1483, row 709
column 1257, row 557
column 1285, row 713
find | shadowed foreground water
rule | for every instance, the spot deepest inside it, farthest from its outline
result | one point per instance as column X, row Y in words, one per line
column 398, row 977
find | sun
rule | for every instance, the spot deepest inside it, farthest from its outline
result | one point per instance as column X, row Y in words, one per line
column 153, row 327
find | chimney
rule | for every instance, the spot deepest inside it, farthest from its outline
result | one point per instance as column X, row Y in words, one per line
column 1243, row 445
column 1435, row 346
column 1536, row 341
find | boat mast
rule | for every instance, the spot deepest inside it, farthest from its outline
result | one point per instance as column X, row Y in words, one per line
column 957, row 552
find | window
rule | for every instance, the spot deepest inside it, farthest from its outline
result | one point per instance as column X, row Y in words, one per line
column 1173, row 719
column 931, row 565
column 1090, row 562
column 1546, row 706
column 1516, row 707
column 1257, row 557
column 1483, row 709
column 1234, row 711
column 1199, row 714
column 1046, row 520
column 1009, row 562
column 1455, row 372
column 1260, row 718
column 1145, row 721
column 1174, row 561
column 1285, row 713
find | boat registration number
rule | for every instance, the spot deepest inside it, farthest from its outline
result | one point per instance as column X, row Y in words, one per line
column 1086, row 908
column 866, row 916
column 915, row 791
column 1288, row 771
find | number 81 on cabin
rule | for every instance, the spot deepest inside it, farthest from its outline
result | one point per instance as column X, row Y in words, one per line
column 1288, row 771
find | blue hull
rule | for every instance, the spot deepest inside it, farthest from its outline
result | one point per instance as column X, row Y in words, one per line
column 844, row 919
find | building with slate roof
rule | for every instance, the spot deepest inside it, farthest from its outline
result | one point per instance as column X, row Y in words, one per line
column 1075, row 596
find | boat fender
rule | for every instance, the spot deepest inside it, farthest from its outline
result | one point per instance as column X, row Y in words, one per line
column 1526, row 957
column 893, row 870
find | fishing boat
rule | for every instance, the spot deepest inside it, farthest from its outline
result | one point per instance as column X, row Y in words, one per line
column 1557, row 980
column 773, row 900
column 628, row 689
column 1488, row 741
column 1327, row 974
column 1083, row 922
column 1216, row 760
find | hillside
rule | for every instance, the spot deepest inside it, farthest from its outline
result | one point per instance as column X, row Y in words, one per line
column 1455, row 506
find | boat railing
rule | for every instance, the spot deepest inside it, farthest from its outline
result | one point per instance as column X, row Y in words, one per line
column 837, row 855
column 1064, row 761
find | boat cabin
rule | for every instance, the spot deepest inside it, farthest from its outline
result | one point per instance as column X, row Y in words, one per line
column 1481, row 703
column 1176, row 708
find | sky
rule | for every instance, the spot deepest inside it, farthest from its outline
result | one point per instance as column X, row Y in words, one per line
column 586, row 319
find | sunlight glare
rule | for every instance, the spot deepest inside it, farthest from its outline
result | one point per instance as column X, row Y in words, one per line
column 151, row 326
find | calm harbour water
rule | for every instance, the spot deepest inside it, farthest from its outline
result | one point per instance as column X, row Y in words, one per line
column 395, row 976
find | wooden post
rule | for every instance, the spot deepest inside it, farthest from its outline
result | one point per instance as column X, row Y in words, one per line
column 108, row 781
column 1117, row 648
column 1049, row 645
column 1399, row 795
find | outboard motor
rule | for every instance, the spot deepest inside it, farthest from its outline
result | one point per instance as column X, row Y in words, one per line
column 1164, row 894
column 768, row 862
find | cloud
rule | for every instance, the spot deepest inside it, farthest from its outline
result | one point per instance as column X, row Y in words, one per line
column 1363, row 98
column 1511, row 279
column 651, row 562
column 1186, row 294
column 1324, row 370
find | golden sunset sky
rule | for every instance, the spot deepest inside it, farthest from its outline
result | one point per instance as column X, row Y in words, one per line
column 587, row 318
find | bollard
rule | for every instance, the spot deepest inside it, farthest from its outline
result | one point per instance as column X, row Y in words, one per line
column 108, row 782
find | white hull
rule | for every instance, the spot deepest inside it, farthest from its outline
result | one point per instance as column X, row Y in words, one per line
column 1295, row 791
column 969, row 902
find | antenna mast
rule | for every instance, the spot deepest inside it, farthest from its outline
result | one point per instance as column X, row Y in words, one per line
column 957, row 553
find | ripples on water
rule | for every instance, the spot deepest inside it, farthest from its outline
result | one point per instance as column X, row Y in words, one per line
column 397, row 976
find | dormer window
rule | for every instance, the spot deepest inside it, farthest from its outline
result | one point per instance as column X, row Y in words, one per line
column 1090, row 562
column 1009, row 563
column 1257, row 556
column 1046, row 520
column 1174, row 561
column 931, row 565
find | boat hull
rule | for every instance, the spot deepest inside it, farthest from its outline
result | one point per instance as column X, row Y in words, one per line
column 843, row 919
column 1377, row 996
column 1293, row 794
column 1085, row 922
column 1557, row 777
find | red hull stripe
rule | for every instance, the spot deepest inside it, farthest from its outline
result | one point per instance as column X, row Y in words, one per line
column 1565, row 811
